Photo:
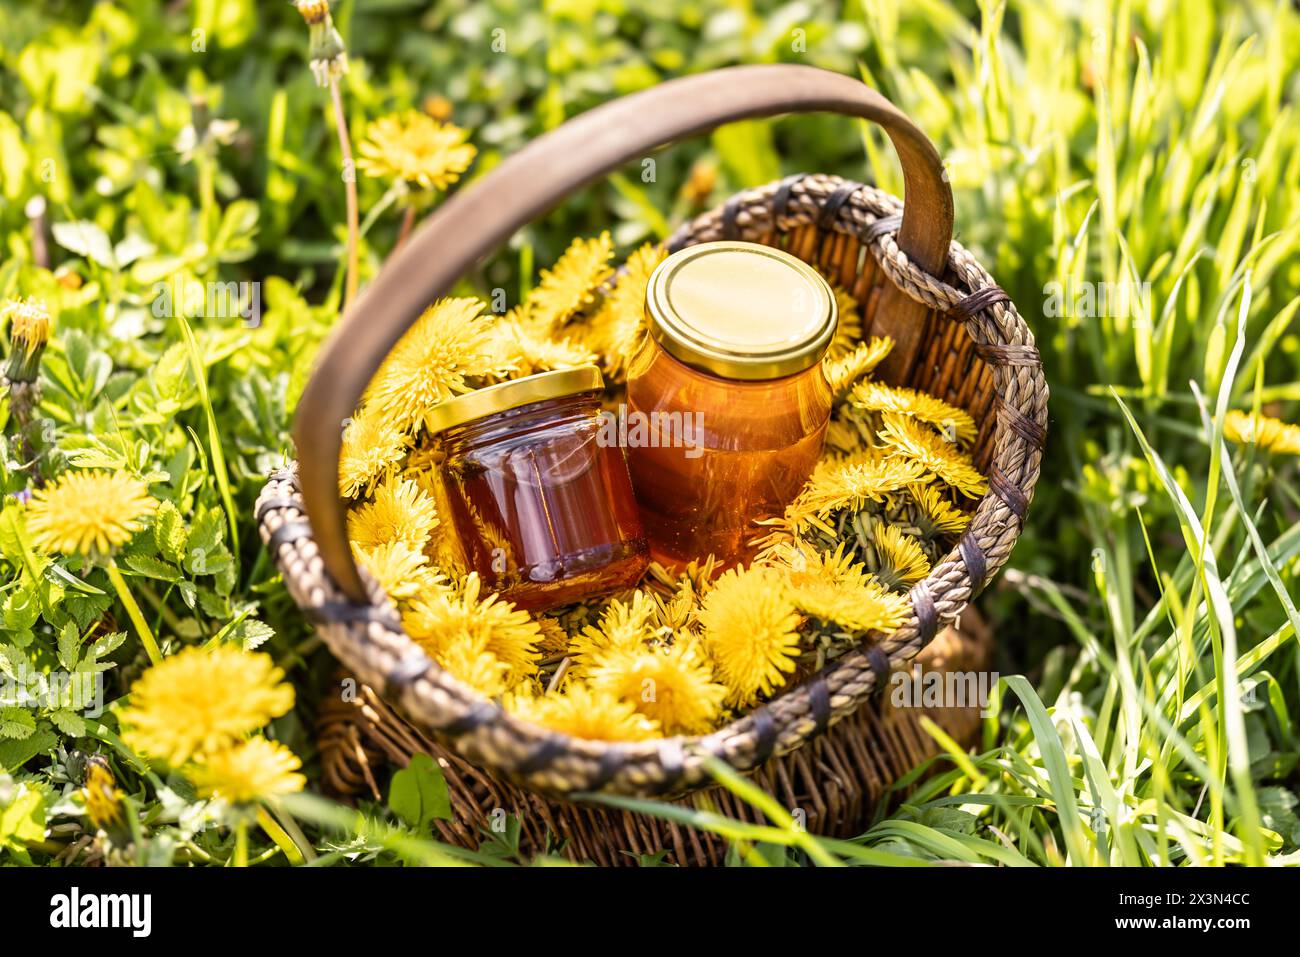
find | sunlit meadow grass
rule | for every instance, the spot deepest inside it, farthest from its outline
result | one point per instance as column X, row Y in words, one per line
column 1137, row 144
column 1147, row 619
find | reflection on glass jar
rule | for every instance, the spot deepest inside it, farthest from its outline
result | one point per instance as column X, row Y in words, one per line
column 730, row 389
column 541, row 505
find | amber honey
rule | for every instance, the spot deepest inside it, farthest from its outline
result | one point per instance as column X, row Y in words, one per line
column 737, row 334
column 541, row 506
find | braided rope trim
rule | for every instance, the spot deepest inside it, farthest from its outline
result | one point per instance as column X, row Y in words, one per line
column 370, row 641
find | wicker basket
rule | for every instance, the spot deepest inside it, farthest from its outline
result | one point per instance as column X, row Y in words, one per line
column 837, row 784
column 958, row 337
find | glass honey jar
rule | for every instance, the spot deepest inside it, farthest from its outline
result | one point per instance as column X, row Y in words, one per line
column 541, row 504
column 729, row 387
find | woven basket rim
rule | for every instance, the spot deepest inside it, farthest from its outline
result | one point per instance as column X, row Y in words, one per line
column 370, row 640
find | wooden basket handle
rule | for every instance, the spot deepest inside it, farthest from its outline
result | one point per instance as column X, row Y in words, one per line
column 477, row 220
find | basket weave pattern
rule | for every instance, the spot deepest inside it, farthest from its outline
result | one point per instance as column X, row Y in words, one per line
column 978, row 348
column 837, row 783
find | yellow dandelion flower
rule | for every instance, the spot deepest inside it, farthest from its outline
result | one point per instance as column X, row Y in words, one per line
column 570, row 285
column 437, row 624
column 583, row 712
column 201, row 700
column 955, row 424
column 848, row 327
column 29, row 331
column 248, row 771
column 416, row 149
column 402, row 570
column 842, row 371
column 102, row 798
column 916, row 442
column 619, row 326
column 832, row 587
column 937, row 514
column 1268, row 433
column 849, row 483
column 751, row 631
column 902, row 560
column 400, row 511
column 521, row 350
column 481, row 670
column 672, row 686
column 373, row 446
column 624, row 625
column 88, row 513
column 449, row 344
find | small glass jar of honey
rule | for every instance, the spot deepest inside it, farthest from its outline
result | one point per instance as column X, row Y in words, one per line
column 541, row 505
column 730, row 389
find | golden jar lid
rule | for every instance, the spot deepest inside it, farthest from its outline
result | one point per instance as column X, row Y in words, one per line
column 740, row 310
column 512, row 395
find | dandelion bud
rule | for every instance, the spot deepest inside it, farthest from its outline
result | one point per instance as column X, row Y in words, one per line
column 29, row 331
column 328, row 55
column 438, row 107
column 103, row 799
column 699, row 186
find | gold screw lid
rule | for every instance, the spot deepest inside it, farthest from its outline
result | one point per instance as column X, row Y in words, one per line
column 513, row 395
column 740, row 310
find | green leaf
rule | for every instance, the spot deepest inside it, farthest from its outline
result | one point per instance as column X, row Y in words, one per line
column 169, row 533
column 15, row 752
column 250, row 633
column 23, row 820
column 418, row 793
column 16, row 723
column 152, row 567
column 69, row 645
column 69, row 722
column 86, row 239
column 105, row 645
